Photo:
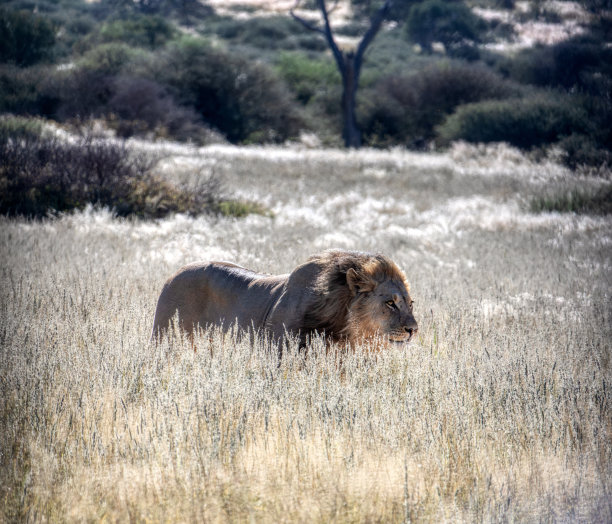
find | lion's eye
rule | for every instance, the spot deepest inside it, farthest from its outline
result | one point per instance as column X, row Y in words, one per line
column 390, row 304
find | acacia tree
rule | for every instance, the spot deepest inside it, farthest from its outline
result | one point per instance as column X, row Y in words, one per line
column 348, row 62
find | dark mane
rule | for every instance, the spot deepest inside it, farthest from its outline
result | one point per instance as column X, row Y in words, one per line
column 333, row 297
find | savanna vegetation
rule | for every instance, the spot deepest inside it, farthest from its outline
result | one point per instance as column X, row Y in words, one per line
column 140, row 136
column 179, row 70
column 499, row 410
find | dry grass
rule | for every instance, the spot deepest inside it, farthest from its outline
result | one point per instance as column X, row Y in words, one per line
column 500, row 411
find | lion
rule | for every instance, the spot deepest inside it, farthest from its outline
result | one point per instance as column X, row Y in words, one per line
column 344, row 296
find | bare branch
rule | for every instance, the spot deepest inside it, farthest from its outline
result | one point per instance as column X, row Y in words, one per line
column 307, row 24
column 330, row 38
column 333, row 7
column 375, row 24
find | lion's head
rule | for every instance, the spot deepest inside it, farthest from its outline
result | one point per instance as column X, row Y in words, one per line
column 360, row 295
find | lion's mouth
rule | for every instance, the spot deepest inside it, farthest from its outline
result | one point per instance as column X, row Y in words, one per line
column 403, row 339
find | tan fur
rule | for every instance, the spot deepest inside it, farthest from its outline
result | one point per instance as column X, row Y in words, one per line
column 344, row 295
column 347, row 313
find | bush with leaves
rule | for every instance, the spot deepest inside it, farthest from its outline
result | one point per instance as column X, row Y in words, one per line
column 267, row 33
column 25, row 39
column 39, row 175
column 136, row 30
column 140, row 106
column 142, row 31
column 240, row 98
column 583, row 201
column 406, row 109
column 27, row 91
column 576, row 63
column 525, row 123
column 19, row 128
column 451, row 23
column 308, row 78
column 581, row 67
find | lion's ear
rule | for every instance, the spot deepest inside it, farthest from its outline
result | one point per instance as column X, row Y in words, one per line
column 358, row 282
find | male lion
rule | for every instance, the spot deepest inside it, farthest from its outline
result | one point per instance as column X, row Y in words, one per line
column 347, row 296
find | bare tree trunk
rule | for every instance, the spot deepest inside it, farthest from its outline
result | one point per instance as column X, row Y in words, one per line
column 349, row 65
column 350, row 132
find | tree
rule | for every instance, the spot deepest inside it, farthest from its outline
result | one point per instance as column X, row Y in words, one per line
column 348, row 63
column 24, row 38
column 451, row 23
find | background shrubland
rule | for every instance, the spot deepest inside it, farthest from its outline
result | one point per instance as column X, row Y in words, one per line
column 42, row 173
column 267, row 79
column 499, row 410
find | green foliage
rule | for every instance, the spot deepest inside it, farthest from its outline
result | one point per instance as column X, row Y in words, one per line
column 244, row 100
column 72, row 20
column 597, row 202
column 108, row 59
column 141, row 31
column 268, row 33
column 390, row 53
column 42, row 175
column 407, row 108
column 265, row 32
column 584, row 150
column 25, row 39
column 574, row 63
column 19, row 128
column 187, row 11
column 140, row 106
column 87, row 89
column 101, row 86
column 399, row 8
column 525, row 123
column 24, row 91
column 308, row 77
column 241, row 208
column 442, row 21
column 581, row 66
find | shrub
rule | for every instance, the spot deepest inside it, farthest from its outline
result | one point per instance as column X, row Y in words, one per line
column 83, row 93
column 39, row 175
column 131, row 105
column 25, row 39
column 185, row 10
column 138, row 31
column 582, row 150
column 407, row 109
column 442, row 21
column 307, row 77
column 142, row 106
column 26, row 91
column 18, row 128
column 267, row 32
column 242, row 99
column 567, row 64
column 525, row 123
column 597, row 202
column 86, row 90
column 108, row 59
column 271, row 32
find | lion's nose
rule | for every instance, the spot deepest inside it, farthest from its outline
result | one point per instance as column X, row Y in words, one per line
column 411, row 330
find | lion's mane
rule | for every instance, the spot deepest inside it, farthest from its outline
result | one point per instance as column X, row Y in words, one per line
column 337, row 310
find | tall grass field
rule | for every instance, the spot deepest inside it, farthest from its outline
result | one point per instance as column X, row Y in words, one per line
column 499, row 411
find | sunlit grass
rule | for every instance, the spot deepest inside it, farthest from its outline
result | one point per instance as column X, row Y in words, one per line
column 500, row 410
column 576, row 201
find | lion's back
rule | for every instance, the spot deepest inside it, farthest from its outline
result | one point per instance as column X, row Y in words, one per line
column 211, row 293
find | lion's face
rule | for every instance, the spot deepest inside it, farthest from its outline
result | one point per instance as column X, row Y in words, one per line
column 384, row 309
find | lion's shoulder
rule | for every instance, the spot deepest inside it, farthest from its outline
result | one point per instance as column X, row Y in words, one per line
column 305, row 275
